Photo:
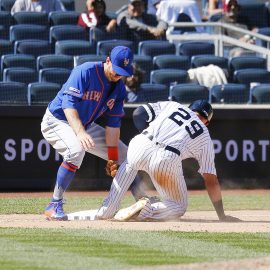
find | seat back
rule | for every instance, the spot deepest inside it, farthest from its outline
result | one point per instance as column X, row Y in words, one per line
column 205, row 60
column 155, row 47
column 69, row 4
column 33, row 47
column 41, row 93
column 104, row 47
column 31, row 17
column 251, row 75
column 168, row 76
column 28, row 31
column 63, row 17
column 6, row 5
column 187, row 93
column 74, row 47
column 152, row 93
column 13, row 93
column 171, row 61
column 191, row 48
column 260, row 94
column 230, row 93
column 5, row 23
column 54, row 75
column 6, row 47
column 55, row 61
column 144, row 62
column 88, row 58
column 20, row 74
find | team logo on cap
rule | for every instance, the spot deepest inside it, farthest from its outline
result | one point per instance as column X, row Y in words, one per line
column 126, row 62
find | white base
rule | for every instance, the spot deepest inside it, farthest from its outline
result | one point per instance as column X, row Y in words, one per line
column 83, row 215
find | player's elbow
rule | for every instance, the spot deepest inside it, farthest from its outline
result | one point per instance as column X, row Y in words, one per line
column 140, row 117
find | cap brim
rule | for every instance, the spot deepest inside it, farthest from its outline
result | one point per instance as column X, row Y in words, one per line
column 123, row 72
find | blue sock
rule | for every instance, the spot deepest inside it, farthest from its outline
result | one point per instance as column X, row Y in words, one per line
column 65, row 175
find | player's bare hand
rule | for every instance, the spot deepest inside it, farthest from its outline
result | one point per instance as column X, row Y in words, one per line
column 86, row 140
column 228, row 218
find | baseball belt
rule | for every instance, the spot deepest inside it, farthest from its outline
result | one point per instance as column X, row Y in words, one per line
column 167, row 147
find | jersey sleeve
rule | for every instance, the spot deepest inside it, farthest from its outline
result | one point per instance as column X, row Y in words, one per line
column 154, row 109
column 115, row 114
column 74, row 88
column 206, row 157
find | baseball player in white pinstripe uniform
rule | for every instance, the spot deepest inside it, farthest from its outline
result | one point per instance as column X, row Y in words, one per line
column 175, row 132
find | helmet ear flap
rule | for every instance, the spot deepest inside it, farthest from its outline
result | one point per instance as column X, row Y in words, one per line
column 203, row 107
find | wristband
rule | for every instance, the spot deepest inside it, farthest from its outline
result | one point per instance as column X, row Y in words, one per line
column 113, row 153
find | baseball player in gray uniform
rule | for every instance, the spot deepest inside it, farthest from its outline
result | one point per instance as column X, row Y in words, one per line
column 175, row 132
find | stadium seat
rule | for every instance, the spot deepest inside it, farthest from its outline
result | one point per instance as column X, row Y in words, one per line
column 243, row 62
column 69, row 4
column 20, row 74
column 63, row 17
column 171, row 61
column 53, row 61
column 263, row 31
column 144, row 62
column 205, row 60
column 191, row 48
column 34, row 47
column 155, row 47
column 41, row 93
column 168, row 76
column 6, row 47
column 67, row 32
column 54, row 75
column 188, row 92
column 104, row 47
column 249, row 75
column 74, row 47
column 13, row 93
column 88, row 58
column 152, row 92
column 230, row 93
column 28, row 31
column 6, row 5
column 260, row 93
column 5, row 22
column 17, row 60
column 31, row 17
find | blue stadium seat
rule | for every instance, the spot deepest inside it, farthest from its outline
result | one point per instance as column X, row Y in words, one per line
column 31, row 17
column 152, row 93
column 188, row 92
column 54, row 60
column 6, row 5
column 63, row 17
column 171, row 61
column 28, row 31
column 74, row 47
column 260, row 93
column 69, row 4
column 205, row 60
column 14, row 93
column 144, row 62
column 41, row 93
column 17, row 60
column 88, row 58
column 249, row 75
column 67, row 32
column 34, row 47
column 20, row 74
column 104, row 47
column 54, row 75
column 191, row 48
column 5, row 23
column 168, row 76
column 155, row 47
column 230, row 93
column 263, row 31
column 243, row 62
column 6, row 47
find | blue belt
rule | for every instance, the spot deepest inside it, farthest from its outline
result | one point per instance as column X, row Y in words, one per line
column 167, row 147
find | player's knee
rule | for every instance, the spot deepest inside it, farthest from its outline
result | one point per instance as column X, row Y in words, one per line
column 76, row 156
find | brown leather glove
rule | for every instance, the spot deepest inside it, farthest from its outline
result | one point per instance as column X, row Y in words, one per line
column 111, row 168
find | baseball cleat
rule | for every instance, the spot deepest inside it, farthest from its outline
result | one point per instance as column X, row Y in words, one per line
column 126, row 214
column 54, row 211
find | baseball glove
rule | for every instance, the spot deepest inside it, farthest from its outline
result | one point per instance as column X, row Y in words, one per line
column 111, row 168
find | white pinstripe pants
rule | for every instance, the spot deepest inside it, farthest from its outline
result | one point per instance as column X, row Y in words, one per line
column 165, row 169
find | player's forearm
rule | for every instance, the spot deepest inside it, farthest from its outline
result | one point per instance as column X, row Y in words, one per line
column 214, row 192
column 112, row 136
column 74, row 120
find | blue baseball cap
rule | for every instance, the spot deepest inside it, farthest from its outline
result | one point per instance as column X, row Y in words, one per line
column 121, row 58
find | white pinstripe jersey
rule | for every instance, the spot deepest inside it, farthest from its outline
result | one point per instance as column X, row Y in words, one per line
column 176, row 125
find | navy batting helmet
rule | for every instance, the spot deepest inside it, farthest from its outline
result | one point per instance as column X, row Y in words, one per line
column 203, row 107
